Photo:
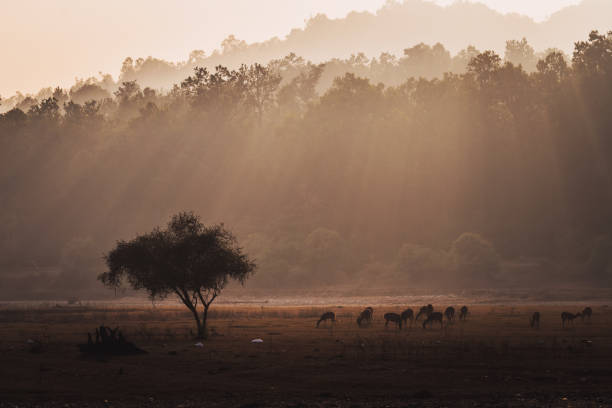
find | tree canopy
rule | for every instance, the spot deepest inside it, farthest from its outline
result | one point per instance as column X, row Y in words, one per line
column 186, row 259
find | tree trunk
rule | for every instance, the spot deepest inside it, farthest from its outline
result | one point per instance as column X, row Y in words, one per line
column 198, row 323
column 204, row 317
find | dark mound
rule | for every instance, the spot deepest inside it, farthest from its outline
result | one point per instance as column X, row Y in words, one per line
column 109, row 342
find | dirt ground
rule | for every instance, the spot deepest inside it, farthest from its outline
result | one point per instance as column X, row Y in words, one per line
column 492, row 359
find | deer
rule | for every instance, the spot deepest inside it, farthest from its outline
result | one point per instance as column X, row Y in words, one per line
column 587, row 312
column 433, row 317
column 365, row 317
column 450, row 313
column 568, row 317
column 407, row 314
column 463, row 312
column 395, row 318
column 327, row 316
column 534, row 322
column 424, row 311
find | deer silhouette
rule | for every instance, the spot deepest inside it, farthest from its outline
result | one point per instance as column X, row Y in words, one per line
column 568, row 317
column 407, row 314
column 433, row 317
column 587, row 313
column 535, row 320
column 365, row 317
column 424, row 311
column 393, row 317
column 463, row 312
column 327, row 316
column 450, row 313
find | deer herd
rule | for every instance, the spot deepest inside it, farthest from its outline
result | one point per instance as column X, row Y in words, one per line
column 431, row 317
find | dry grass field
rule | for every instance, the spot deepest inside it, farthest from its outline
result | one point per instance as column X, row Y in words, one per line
column 492, row 359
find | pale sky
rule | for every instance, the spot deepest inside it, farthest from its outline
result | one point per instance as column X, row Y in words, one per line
column 50, row 42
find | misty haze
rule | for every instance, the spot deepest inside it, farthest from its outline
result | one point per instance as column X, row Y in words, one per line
column 350, row 213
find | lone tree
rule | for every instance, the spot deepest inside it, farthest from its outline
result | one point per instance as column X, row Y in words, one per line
column 188, row 259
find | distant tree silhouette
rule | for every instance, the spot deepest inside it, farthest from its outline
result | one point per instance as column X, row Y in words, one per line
column 460, row 61
column 261, row 85
column 232, row 44
column 187, row 259
column 88, row 92
column 60, row 96
column 484, row 65
column 301, row 89
column 426, row 61
column 521, row 53
column 82, row 115
column 594, row 56
column 127, row 91
column 196, row 56
column 14, row 118
column 553, row 68
column 47, row 110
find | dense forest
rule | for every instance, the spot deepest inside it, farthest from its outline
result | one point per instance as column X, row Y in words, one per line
column 428, row 170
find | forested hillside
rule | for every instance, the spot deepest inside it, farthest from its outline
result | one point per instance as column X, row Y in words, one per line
column 481, row 177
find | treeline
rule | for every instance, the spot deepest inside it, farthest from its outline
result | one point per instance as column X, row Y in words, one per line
column 397, row 25
column 419, row 61
column 492, row 177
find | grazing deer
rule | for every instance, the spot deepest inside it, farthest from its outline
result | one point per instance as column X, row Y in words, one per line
column 463, row 312
column 365, row 317
column 395, row 318
column 433, row 317
column 587, row 312
column 327, row 316
column 535, row 320
column 407, row 314
column 424, row 311
column 450, row 313
column 568, row 317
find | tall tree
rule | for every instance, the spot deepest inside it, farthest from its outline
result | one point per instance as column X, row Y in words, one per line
column 261, row 86
column 521, row 53
column 186, row 259
column 484, row 65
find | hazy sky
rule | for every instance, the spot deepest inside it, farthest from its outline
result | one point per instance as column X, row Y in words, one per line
column 50, row 42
